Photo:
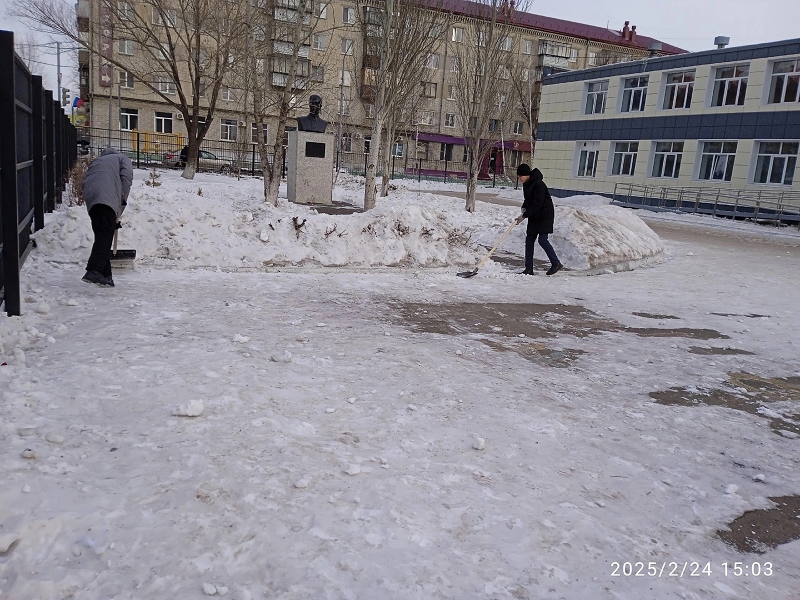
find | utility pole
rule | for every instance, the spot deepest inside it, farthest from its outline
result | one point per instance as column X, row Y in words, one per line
column 58, row 64
column 341, row 107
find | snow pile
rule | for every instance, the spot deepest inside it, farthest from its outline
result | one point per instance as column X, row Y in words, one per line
column 221, row 222
column 16, row 336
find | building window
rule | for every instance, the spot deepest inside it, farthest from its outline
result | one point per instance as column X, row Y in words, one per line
column 519, row 127
column 678, row 92
column 494, row 125
column 527, row 47
column 785, row 85
column 347, row 142
column 667, row 159
column 319, row 41
column 573, row 55
column 259, row 33
column 451, row 92
column 344, row 107
column 432, row 61
column 317, row 73
column 730, row 85
column 596, row 94
column 129, row 119
column 397, row 149
column 625, row 158
column 345, row 78
column 481, row 39
column 254, row 133
column 429, row 90
column 367, row 144
column 587, row 159
column 228, row 94
column 716, row 163
column 593, row 59
column 449, row 120
column 126, row 47
column 347, row 47
column 348, row 16
column 321, row 10
column 166, row 86
column 228, row 130
column 125, row 11
column 126, row 79
column 634, row 94
column 163, row 122
column 507, row 43
column 455, row 65
column 167, row 18
column 776, row 162
column 427, row 117
column 446, row 152
column 369, row 111
column 162, row 51
column 458, row 34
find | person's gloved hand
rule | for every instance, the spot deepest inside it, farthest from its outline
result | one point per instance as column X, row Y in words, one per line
column 520, row 218
column 119, row 225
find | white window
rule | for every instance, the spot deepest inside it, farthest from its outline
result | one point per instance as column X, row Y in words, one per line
column 494, row 125
column 449, row 120
column 166, row 85
column 163, row 122
column 481, row 38
column 446, row 152
column 347, row 142
column 125, row 11
column 261, row 65
column 348, row 15
column 624, row 162
column 776, row 162
column 318, row 73
column 678, row 91
column 397, row 149
column 667, row 159
column 126, row 47
column 228, row 94
column 347, row 47
column 345, row 78
column 126, row 79
column 319, row 41
column 369, row 111
column 344, row 107
column 432, row 61
column 228, row 130
column 167, row 17
column 596, row 94
column 507, row 43
column 587, row 159
column 634, row 94
column 730, row 85
column 129, row 119
column 785, row 84
column 428, row 90
column 162, row 51
column 451, row 92
column 717, row 160
column 458, row 34
column 367, row 144
column 593, row 59
column 573, row 55
column 527, row 47
column 503, row 72
column 426, row 117
column 259, row 33
column 519, row 127
column 321, row 10
column 455, row 64
column 254, row 133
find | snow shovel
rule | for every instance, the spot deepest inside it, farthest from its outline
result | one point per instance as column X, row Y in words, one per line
column 468, row 274
column 121, row 258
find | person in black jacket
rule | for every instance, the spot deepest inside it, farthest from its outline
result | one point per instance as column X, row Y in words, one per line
column 538, row 209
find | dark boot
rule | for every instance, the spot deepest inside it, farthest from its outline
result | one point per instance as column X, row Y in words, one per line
column 555, row 269
column 527, row 272
column 98, row 278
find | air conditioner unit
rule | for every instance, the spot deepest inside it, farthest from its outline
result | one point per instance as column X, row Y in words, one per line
column 241, row 123
column 179, row 116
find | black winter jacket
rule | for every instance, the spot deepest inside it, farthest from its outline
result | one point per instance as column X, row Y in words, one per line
column 538, row 205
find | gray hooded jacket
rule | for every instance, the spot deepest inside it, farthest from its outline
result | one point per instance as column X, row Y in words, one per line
column 108, row 181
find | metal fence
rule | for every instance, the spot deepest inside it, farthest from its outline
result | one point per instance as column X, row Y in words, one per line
column 148, row 149
column 37, row 150
column 762, row 205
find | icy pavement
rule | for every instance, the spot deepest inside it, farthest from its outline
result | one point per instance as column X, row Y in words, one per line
column 352, row 445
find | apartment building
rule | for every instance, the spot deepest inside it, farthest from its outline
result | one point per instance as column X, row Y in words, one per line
column 333, row 65
column 725, row 119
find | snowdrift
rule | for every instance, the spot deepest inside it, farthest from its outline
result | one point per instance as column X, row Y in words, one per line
column 216, row 221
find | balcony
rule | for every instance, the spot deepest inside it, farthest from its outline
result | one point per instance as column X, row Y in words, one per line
column 368, row 92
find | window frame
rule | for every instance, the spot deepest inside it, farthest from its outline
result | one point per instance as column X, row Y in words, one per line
column 347, row 50
column 591, row 149
column 714, row 79
column 688, row 95
column 730, row 160
column 632, row 97
column 398, row 150
column 165, row 118
column 317, row 38
column 449, row 118
column 790, row 158
column 429, row 89
column 457, row 39
column 129, row 112
column 126, row 77
column 166, row 86
column 677, row 159
column 350, row 11
column 519, row 127
column 770, row 82
column 629, row 152
column 321, row 10
column 126, row 42
column 228, row 125
column 588, row 92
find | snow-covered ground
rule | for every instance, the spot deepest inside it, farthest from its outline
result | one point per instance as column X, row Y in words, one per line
column 389, row 433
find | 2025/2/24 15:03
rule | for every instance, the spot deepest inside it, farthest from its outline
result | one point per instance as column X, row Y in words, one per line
column 689, row 569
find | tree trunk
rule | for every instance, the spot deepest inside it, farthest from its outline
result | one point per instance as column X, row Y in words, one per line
column 386, row 157
column 472, row 185
column 190, row 168
column 370, row 190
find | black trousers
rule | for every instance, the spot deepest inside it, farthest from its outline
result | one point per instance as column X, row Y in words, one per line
column 104, row 224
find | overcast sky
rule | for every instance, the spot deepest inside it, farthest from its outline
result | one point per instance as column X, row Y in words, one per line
column 688, row 24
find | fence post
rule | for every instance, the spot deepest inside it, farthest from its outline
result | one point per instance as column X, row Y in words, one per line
column 138, row 150
column 393, row 159
column 445, row 168
column 366, row 156
column 38, row 151
column 253, row 161
column 50, row 166
column 283, row 167
column 716, row 202
column 419, row 171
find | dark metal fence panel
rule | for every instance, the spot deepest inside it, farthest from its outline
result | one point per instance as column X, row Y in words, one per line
column 50, row 144
column 28, row 116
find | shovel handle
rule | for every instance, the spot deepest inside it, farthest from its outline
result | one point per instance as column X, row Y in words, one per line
column 116, row 232
column 497, row 243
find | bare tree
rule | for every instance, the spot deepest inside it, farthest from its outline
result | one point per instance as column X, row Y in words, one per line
column 399, row 37
column 181, row 50
column 28, row 50
column 483, row 84
column 280, row 37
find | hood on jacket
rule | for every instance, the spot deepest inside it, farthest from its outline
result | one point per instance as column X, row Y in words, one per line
column 536, row 175
column 108, row 151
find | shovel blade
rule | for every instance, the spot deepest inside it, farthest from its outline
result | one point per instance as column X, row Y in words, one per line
column 122, row 255
column 468, row 274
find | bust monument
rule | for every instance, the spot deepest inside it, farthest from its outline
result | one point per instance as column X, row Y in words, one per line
column 312, row 121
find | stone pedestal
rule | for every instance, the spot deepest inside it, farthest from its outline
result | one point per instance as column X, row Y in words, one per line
column 309, row 167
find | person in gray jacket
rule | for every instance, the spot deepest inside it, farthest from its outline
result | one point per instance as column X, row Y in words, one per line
column 105, row 192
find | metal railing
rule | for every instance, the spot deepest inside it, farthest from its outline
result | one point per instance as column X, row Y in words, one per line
column 780, row 206
column 37, row 152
